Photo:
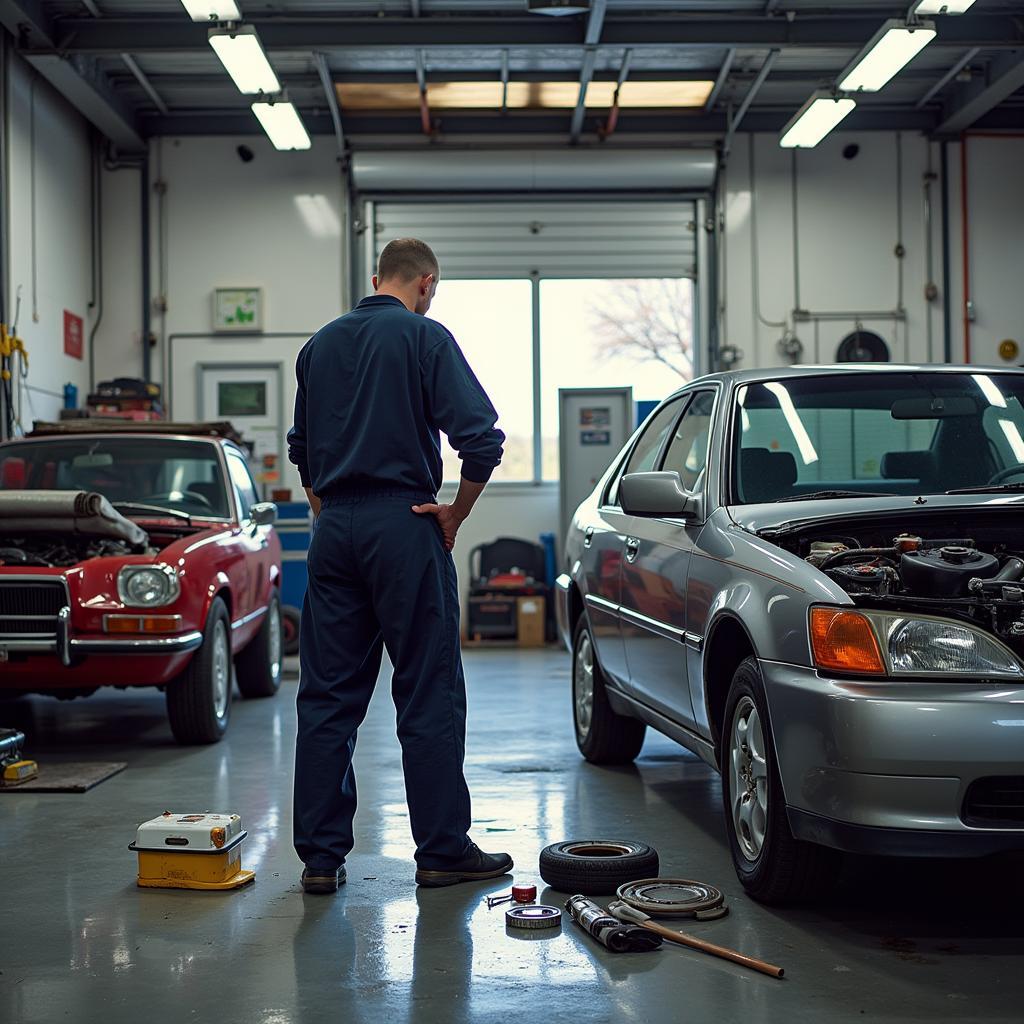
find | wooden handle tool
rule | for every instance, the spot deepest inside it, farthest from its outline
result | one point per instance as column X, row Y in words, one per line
column 624, row 912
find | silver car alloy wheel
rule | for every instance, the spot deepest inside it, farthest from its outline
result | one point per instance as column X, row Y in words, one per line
column 583, row 684
column 275, row 639
column 748, row 779
column 221, row 668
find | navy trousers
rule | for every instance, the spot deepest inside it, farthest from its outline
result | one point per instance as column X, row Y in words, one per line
column 379, row 577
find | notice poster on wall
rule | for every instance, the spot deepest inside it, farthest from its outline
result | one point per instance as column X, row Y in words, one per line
column 74, row 334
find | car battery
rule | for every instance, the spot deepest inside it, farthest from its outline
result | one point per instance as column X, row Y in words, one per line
column 191, row 851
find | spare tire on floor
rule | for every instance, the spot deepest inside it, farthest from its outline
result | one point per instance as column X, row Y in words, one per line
column 596, row 867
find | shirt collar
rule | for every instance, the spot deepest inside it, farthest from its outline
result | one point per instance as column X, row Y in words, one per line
column 379, row 300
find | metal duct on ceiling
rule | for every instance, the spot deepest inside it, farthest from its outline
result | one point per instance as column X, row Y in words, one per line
column 524, row 171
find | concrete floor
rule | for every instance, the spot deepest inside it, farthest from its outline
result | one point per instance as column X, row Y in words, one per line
column 80, row 942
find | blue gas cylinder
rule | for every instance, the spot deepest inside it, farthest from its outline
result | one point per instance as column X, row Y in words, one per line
column 70, row 396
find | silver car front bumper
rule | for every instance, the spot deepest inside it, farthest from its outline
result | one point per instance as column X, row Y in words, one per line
column 886, row 767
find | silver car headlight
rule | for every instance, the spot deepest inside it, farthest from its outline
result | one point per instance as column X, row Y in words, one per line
column 147, row 586
column 927, row 646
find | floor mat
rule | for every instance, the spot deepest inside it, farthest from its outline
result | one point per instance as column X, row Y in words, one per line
column 73, row 777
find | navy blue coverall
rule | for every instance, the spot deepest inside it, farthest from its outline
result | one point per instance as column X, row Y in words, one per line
column 374, row 389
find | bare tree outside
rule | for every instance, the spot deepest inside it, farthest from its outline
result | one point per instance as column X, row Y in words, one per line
column 648, row 321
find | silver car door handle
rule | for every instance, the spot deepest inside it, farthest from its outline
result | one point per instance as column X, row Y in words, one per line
column 632, row 548
column 588, row 537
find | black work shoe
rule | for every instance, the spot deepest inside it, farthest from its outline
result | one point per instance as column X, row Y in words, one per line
column 475, row 867
column 323, row 883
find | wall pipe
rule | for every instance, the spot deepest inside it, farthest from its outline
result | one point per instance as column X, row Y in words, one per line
column 147, row 302
column 965, row 250
column 97, row 257
column 929, row 253
column 947, row 309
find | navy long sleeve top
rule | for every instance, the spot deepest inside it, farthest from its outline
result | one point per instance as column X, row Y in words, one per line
column 375, row 388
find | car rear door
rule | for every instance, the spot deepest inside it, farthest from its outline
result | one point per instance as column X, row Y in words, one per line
column 655, row 572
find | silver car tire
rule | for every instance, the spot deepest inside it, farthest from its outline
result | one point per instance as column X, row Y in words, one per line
column 258, row 664
column 602, row 735
column 772, row 866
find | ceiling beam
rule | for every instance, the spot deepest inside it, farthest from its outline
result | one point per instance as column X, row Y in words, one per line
column 948, row 76
column 76, row 77
column 755, row 88
column 331, row 95
column 493, row 124
column 140, row 76
column 975, row 99
column 590, row 40
column 720, row 79
column 175, row 35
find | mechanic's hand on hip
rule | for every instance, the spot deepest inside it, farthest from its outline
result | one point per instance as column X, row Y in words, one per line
column 447, row 518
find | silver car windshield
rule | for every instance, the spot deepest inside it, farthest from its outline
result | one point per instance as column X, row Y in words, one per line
column 877, row 433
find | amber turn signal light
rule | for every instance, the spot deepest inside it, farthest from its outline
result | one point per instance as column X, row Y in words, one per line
column 142, row 623
column 843, row 641
column 218, row 836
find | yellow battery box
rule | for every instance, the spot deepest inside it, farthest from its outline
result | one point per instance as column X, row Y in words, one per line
column 191, row 851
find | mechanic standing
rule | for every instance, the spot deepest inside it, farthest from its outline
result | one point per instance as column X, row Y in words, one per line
column 374, row 389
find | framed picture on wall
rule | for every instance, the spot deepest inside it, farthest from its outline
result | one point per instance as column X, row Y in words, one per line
column 237, row 310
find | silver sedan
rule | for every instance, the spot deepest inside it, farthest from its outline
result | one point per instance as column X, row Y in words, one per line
column 814, row 579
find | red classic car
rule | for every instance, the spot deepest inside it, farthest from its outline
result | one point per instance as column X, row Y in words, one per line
column 137, row 558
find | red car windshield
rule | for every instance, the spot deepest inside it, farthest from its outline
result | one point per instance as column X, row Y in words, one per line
column 182, row 476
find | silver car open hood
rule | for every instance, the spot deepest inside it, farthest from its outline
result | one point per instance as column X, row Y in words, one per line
column 788, row 515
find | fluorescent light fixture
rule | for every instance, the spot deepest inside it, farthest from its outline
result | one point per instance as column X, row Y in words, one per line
column 212, row 10
column 943, row 6
column 815, row 119
column 793, row 421
column 241, row 53
column 282, row 124
column 557, row 8
column 893, row 47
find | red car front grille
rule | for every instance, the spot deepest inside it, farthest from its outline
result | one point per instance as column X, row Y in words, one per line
column 30, row 607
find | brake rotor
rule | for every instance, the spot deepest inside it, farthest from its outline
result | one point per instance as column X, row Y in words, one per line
column 674, row 897
column 533, row 917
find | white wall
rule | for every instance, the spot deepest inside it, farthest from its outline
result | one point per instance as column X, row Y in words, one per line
column 847, row 232
column 63, row 236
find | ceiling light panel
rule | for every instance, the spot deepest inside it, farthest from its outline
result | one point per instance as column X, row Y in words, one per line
column 943, row 6
column 818, row 116
column 893, row 47
column 521, row 95
column 212, row 10
column 282, row 124
column 243, row 58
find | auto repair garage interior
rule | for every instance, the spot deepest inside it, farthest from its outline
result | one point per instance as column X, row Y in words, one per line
column 813, row 210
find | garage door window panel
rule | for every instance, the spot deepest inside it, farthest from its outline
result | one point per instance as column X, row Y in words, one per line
column 492, row 322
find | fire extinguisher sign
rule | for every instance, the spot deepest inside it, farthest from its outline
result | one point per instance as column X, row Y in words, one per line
column 73, row 335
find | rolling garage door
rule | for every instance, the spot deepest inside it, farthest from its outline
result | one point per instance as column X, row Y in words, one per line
column 553, row 213
column 563, row 238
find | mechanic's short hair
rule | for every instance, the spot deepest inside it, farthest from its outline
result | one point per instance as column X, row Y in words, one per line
column 407, row 259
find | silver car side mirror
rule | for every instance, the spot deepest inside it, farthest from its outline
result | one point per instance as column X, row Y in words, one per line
column 655, row 495
column 263, row 513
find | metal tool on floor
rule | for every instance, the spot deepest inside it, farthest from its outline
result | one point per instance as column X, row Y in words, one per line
column 624, row 912
column 674, row 897
column 519, row 894
column 191, row 851
column 533, row 918
column 611, row 933
column 15, row 768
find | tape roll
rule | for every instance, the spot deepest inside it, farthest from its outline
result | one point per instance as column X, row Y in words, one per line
column 533, row 917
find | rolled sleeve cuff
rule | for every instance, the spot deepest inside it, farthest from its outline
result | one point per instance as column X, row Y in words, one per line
column 304, row 475
column 477, row 472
